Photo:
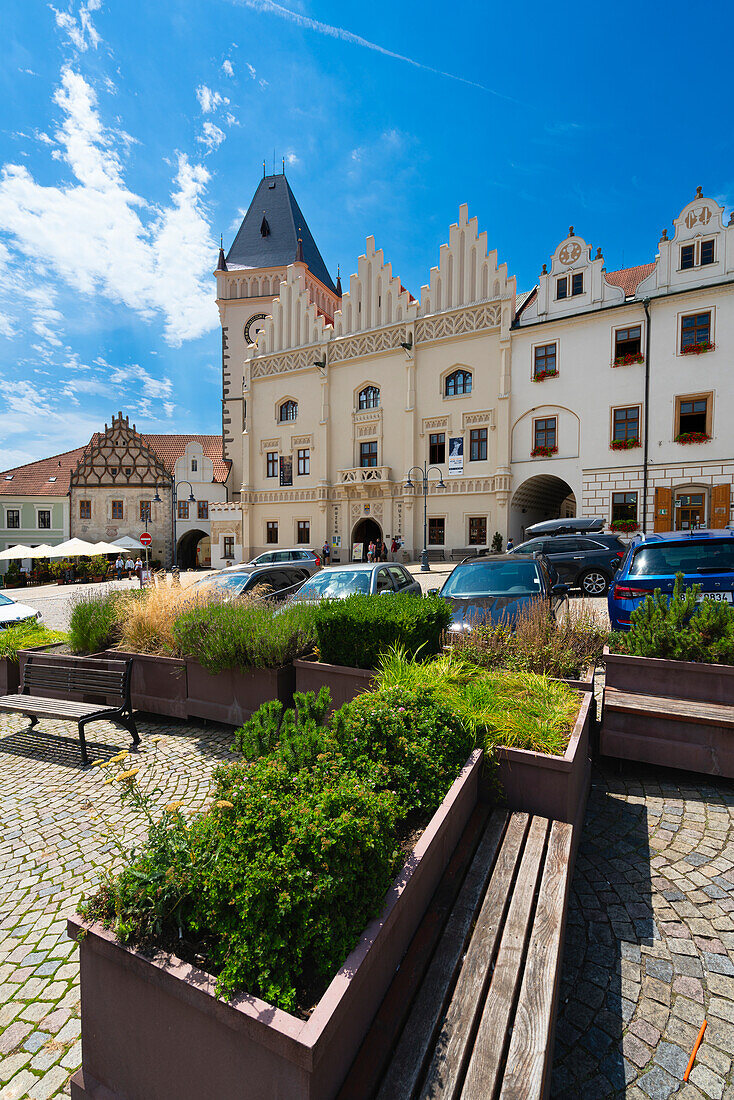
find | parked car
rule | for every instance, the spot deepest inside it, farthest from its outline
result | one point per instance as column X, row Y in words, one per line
column 652, row 561
column 371, row 578
column 12, row 613
column 494, row 588
column 280, row 581
column 585, row 558
column 279, row 557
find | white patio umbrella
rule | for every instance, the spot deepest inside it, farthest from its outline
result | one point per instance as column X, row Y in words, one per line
column 106, row 548
column 41, row 551
column 128, row 543
column 14, row 552
column 72, row 548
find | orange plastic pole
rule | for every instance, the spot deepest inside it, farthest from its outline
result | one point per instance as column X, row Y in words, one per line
column 696, row 1045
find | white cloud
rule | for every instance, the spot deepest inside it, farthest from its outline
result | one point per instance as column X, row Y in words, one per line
column 78, row 27
column 212, row 137
column 230, row 119
column 98, row 236
column 29, row 72
column 228, row 67
column 292, row 159
column 209, row 100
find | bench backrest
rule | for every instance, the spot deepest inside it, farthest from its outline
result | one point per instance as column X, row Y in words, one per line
column 74, row 676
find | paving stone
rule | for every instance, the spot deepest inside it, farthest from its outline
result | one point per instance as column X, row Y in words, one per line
column 643, row 1030
column 13, row 1036
column 671, row 1058
column 658, row 1084
column 709, row 1082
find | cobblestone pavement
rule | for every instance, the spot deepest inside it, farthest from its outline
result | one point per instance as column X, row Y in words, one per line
column 650, row 941
column 50, row 855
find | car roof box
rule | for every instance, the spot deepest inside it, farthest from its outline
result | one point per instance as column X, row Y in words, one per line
column 571, row 525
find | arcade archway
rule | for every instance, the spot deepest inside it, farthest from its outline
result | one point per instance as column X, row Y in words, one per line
column 194, row 550
column 365, row 532
column 541, row 497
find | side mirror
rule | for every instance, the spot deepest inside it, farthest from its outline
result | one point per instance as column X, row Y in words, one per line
column 431, row 592
column 560, row 589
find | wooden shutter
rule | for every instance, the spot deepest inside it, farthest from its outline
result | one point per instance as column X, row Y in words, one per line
column 720, row 503
column 663, row 509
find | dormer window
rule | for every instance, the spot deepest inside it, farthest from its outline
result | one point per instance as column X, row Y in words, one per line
column 707, row 252
column 577, row 283
column 562, row 287
column 697, row 254
column 288, row 411
column 687, row 257
column 194, row 465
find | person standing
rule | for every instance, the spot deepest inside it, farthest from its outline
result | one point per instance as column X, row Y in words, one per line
column 139, row 570
column 119, row 567
column 510, row 544
column 383, row 551
column 129, row 568
column 394, row 548
column 325, row 552
column 371, row 551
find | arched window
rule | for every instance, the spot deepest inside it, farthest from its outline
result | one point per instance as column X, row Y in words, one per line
column 369, row 398
column 459, row 381
column 288, row 410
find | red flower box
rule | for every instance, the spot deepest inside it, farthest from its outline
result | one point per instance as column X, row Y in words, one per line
column 544, row 452
column 624, row 444
column 627, row 360
column 624, row 525
column 692, row 437
column 543, row 374
column 697, row 349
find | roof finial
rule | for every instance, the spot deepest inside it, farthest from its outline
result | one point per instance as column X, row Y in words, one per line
column 299, row 247
column 263, row 169
column 338, row 282
column 283, row 165
column 221, row 262
column 598, row 254
column 544, row 271
column 699, row 192
column 570, row 231
column 665, row 235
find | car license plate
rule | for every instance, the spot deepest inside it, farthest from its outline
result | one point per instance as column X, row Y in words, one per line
column 719, row 597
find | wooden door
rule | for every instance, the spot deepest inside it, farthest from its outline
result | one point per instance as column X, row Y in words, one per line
column 663, row 508
column 720, row 505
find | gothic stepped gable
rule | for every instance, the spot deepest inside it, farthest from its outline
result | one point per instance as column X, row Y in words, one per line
column 466, row 272
column 119, row 456
column 295, row 320
column 268, row 236
column 375, row 297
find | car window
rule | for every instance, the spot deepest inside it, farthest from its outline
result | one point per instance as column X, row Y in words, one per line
column 494, row 578
column 667, row 559
column 589, row 544
column 534, row 546
column 328, row 585
column 400, row 577
column 383, row 582
column 264, row 559
column 4, row 601
column 561, row 546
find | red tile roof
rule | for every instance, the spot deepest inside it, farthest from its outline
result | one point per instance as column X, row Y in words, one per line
column 33, row 478
column 629, row 278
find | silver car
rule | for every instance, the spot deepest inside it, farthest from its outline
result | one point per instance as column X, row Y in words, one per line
column 300, row 555
column 371, row 578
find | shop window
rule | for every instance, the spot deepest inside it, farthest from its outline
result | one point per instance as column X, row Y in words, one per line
column 458, row 382
column 477, row 444
column 437, row 448
column 436, row 531
column 271, row 532
column 85, row 509
column 303, row 532
column 624, row 507
column 477, row 530
column 368, row 454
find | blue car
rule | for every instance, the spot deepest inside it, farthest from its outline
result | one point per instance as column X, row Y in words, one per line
column 652, row 561
column 494, row 588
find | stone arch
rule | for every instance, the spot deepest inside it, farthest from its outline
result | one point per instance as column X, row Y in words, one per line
column 540, row 497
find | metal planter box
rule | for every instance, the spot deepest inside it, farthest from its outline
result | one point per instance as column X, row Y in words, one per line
column 343, row 682
column 233, row 695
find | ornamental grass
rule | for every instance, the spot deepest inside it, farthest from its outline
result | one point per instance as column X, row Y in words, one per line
column 27, row 636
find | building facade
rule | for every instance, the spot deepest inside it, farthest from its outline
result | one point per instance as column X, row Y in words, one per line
column 597, row 393
column 34, row 503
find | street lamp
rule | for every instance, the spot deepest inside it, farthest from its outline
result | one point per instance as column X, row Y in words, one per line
column 423, row 472
column 174, row 492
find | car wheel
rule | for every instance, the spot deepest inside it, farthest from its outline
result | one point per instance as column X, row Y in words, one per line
column 594, row 584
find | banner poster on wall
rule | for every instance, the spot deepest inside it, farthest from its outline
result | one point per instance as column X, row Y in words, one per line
column 456, row 455
column 286, row 469
column 357, row 549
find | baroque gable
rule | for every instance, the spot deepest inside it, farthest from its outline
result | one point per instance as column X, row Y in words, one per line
column 575, row 282
column 683, row 260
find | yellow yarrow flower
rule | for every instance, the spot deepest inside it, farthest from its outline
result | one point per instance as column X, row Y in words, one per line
column 127, row 775
column 98, row 764
column 173, row 806
column 120, row 756
column 106, row 764
column 155, row 740
column 223, row 804
column 110, row 779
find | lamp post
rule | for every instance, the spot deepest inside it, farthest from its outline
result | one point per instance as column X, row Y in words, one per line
column 423, row 472
column 174, row 493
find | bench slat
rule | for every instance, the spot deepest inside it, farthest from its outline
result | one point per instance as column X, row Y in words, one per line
column 531, row 1035
column 486, row 1059
column 456, row 1033
column 44, row 707
column 677, row 710
column 416, row 1041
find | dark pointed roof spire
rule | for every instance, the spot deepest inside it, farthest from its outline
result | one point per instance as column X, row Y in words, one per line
column 221, row 262
column 338, row 282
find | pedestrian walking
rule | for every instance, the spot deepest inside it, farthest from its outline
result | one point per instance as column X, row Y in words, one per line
column 119, row 567
column 139, row 570
column 383, row 551
column 394, row 547
column 325, row 552
column 129, row 568
column 510, row 545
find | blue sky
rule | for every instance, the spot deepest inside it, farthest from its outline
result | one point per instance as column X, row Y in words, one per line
column 132, row 134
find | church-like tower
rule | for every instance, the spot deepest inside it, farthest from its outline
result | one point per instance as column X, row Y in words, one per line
column 273, row 235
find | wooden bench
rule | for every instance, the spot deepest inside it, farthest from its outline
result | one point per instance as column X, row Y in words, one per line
column 470, row 1013
column 462, row 552
column 74, row 688
column 436, row 555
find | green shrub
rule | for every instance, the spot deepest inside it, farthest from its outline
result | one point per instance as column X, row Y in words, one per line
column 354, row 632
column 27, row 636
column 497, row 543
column 244, row 635
column 679, row 628
column 536, row 642
column 276, row 884
column 93, row 625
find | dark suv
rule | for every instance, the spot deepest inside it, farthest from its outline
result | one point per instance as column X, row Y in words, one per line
column 585, row 559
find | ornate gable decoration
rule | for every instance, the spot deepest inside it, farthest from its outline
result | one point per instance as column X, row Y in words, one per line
column 575, row 282
column 118, row 457
column 375, row 297
column 701, row 250
column 466, row 272
column 294, row 321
